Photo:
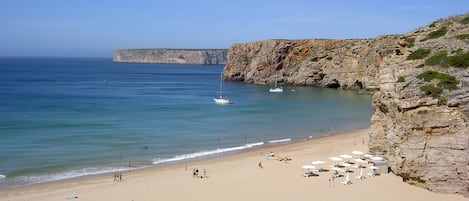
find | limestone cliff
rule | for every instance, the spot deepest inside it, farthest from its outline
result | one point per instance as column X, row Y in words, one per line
column 420, row 85
column 331, row 63
column 171, row 56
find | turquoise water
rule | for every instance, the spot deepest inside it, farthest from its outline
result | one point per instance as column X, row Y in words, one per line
column 63, row 118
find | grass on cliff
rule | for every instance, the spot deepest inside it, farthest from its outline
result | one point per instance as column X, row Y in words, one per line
column 436, row 34
column 460, row 60
column 418, row 54
column 445, row 81
column 463, row 36
column 465, row 20
column 431, row 90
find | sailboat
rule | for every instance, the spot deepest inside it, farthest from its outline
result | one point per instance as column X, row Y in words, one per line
column 276, row 89
column 220, row 99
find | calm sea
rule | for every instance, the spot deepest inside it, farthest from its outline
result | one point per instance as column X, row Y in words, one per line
column 62, row 118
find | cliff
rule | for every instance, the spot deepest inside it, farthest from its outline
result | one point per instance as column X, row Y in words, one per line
column 420, row 85
column 347, row 64
column 172, row 56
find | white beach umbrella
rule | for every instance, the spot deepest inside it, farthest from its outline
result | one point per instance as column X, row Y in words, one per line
column 346, row 164
column 377, row 158
column 356, row 152
column 336, row 168
column 361, row 176
column 336, row 158
column 308, row 167
column 373, row 167
column 360, row 160
column 367, row 155
column 345, row 156
column 318, row 162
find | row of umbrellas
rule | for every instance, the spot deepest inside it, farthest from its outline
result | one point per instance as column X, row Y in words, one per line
column 345, row 156
column 338, row 167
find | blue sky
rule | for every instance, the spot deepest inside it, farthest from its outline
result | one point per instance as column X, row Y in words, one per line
column 95, row 28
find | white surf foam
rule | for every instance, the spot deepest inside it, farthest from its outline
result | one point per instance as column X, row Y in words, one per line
column 35, row 179
column 280, row 141
column 206, row 153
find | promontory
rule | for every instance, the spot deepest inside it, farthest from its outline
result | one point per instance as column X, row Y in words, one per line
column 171, row 56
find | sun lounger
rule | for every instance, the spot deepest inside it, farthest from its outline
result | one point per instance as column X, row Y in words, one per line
column 310, row 174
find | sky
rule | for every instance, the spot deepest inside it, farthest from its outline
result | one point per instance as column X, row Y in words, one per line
column 95, row 28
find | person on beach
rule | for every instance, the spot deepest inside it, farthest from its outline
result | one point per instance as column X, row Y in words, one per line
column 194, row 173
column 260, row 164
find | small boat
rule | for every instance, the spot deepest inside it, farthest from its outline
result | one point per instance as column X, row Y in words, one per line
column 220, row 99
column 276, row 89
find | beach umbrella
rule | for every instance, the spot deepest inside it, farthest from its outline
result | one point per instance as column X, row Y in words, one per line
column 336, row 168
column 361, row 176
column 373, row 167
column 308, row 167
column 336, row 158
column 356, row 152
column 377, row 158
column 346, row 164
column 318, row 162
column 345, row 156
column 360, row 160
column 367, row 155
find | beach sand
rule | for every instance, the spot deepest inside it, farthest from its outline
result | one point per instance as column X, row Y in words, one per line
column 238, row 177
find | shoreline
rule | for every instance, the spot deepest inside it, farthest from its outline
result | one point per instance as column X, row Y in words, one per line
column 141, row 165
column 165, row 182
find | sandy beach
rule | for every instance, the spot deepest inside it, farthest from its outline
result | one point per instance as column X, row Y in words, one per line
column 238, row 177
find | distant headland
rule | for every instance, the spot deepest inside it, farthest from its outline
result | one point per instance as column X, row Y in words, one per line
column 172, row 56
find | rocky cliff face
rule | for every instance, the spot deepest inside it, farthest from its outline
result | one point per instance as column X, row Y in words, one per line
column 172, row 56
column 420, row 83
column 424, row 132
column 347, row 64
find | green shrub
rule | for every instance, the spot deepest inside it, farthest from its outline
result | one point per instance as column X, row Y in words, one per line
column 449, row 83
column 465, row 20
column 459, row 60
column 431, row 90
column 463, row 36
column 401, row 79
column 439, row 59
column 445, row 81
column 436, row 34
column 418, row 54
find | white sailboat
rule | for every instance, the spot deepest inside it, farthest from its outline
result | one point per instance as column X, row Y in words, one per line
column 276, row 89
column 220, row 99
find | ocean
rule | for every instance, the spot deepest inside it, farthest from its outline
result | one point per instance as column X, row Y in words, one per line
column 63, row 118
